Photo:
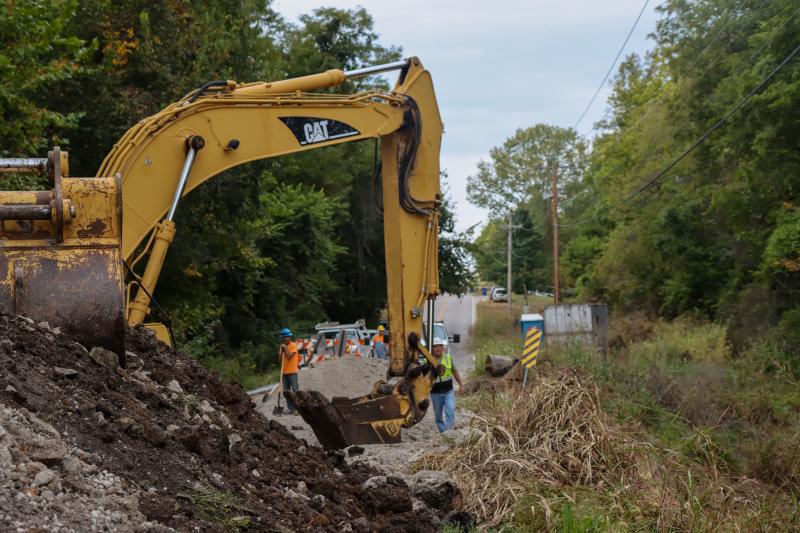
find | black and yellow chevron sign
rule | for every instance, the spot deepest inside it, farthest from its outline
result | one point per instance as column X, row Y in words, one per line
column 533, row 339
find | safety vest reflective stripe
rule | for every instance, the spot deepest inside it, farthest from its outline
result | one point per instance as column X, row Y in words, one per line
column 447, row 361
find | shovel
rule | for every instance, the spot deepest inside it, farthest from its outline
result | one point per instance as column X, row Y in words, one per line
column 278, row 409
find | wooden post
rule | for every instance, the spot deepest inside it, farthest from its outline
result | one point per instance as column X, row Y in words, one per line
column 555, row 231
column 508, row 274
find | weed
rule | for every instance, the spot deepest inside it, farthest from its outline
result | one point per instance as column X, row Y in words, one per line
column 572, row 524
column 218, row 507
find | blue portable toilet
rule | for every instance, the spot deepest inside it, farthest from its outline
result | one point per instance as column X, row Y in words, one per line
column 528, row 321
column 483, row 291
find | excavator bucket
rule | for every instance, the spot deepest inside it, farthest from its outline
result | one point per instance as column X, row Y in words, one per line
column 60, row 256
column 341, row 422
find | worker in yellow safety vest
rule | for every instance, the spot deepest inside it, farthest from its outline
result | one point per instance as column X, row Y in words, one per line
column 443, row 395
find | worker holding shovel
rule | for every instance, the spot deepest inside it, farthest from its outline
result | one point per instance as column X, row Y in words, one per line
column 290, row 365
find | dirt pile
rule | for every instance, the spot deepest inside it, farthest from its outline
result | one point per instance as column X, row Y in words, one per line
column 351, row 377
column 46, row 484
column 172, row 445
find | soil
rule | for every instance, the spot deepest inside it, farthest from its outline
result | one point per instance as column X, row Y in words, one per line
column 354, row 376
column 184, row 448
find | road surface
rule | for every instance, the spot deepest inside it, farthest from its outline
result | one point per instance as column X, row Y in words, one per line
column 459, row 315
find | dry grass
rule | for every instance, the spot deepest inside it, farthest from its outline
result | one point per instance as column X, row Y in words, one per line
column 548, row 458
column 553, row 432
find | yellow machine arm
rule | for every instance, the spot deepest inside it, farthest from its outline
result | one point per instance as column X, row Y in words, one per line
column 224, row 124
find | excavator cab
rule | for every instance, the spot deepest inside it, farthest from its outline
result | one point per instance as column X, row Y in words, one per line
column 65, row 253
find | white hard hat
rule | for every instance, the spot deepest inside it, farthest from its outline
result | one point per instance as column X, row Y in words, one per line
column 438, row 342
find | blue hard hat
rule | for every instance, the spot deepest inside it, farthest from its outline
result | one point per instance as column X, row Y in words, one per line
column 286, row 332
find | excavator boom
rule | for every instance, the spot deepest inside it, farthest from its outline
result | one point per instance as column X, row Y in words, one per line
column 64, row 253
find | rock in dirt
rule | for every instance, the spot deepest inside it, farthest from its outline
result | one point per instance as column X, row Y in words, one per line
column 103, row 357
column 46, row 451
column 155, row 435
column 498, row 365
column 318, row 502
column 388, row 493
column 174, row 386
column 436, row 488
column 44, row 477
column 461, row 521
column 353, row 451
column 61, row 372
column 233, row 440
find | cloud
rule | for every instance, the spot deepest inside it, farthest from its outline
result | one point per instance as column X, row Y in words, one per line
column 500, row 66
column 458, row 167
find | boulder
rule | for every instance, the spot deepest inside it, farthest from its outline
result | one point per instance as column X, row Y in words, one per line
column 174, row 386
column 46, row 451
column 498, row 365
column 44, row 477
column 155, row 435
column 437, row 489
column 103, row 357
column 387, row 494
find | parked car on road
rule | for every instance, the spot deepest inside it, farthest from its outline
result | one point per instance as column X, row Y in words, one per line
column 439, row 332
column 500, row 295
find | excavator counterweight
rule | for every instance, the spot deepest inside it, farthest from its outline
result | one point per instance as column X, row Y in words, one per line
column 65, row 254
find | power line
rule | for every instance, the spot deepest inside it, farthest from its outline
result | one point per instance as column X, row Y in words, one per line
column 618, row 138
column 613, row 64
column 699, row 141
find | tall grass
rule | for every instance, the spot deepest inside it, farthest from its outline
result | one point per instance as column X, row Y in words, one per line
column 496, row 332
column 672, row 432
column 242, row 371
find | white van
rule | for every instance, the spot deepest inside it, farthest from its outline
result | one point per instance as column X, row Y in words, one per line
column 500, row 295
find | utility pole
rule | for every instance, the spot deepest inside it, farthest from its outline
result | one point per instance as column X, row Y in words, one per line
column 555, row 231
column 508, row 276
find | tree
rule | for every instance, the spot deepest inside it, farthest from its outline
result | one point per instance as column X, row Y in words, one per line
column 37, row 55
column 531, row 265
column 456, row 275
column 713, row 236
column 521, row 168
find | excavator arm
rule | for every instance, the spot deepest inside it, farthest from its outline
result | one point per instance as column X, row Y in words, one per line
column 222, row 125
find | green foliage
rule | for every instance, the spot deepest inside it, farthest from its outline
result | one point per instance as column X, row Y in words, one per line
column 521, row 168
column 150, row 54
column 456, row 275
column 531, row 265
column 37, row 55
column 335, row 38
column 717, row 222
column 234, row 294
column 780, row 263
column 586, row 524
column 719, row 235
column 518, row 179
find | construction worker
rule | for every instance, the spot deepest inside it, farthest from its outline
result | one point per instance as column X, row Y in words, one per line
column 443, row 396
column 379, row 348
column 290, row 366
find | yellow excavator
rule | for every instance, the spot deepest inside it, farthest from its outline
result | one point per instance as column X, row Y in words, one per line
column 66, row 253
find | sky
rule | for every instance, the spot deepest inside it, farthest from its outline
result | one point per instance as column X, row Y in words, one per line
column 502, row 65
